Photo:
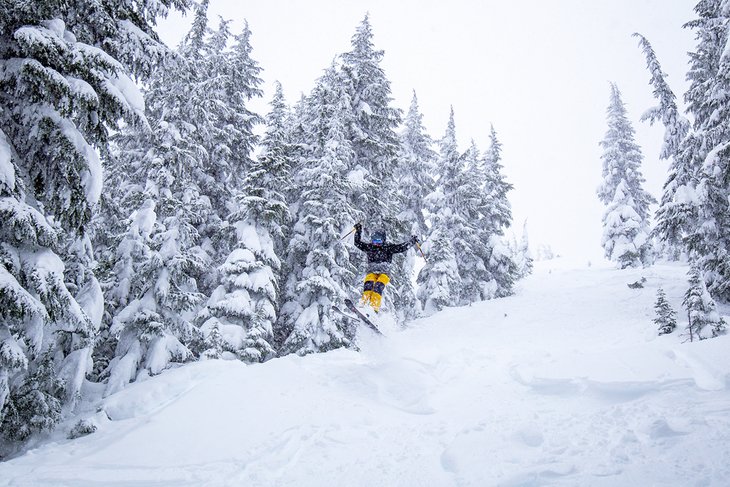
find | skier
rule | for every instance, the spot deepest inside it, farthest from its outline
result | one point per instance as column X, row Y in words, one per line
column 380, row 256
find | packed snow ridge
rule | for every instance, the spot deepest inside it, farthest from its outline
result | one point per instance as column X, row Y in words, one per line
column 565, row 383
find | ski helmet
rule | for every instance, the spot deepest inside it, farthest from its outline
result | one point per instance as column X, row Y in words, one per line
column 378, row 237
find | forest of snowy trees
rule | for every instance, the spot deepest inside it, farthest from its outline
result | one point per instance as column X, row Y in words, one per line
column 146, row 223
column 693, row 217
column 151, row 218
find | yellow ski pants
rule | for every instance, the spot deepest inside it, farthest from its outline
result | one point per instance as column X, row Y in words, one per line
column 372, row 293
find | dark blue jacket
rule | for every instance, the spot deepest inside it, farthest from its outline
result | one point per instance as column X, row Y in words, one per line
column 379, row 253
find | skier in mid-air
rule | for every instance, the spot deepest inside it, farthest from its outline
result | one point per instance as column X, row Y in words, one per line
column 380, row 256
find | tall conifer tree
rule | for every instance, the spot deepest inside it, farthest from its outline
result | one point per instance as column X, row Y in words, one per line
column 416, row 168
column 415, row 173
column 246, row 304
column 675, row 213
column 706, row 98
column 695, row 206
column 694, row 209
column 372, row 124
column 495, row 217
column 439, row 280
column 167, row 182
column 468, row 202
column 626, row 220
column 67, row 69
column 318, row 266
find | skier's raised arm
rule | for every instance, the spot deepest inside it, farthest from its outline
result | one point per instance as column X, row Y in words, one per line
column 358, row 238
column 402, row 247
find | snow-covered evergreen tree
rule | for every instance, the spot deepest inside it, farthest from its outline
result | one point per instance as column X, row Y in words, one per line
column 707, row 101
column 35, row 405
column 161, row 179
column 129, row 246
column 214, row 342
column 525, row 252
column 675, row 124
column 152, row 325
column 319, row 272
column 244, row 308
column 675, row 209
column 221, row 81
column 193, row 160
column 66, row 81
column 701, row 308
column 625, row 237
column 521, row 254
column 705, row 73
column 694, row 209
column 496, row 217
column 205, row 54
column 371, row 122
column 416, row 168
column 415, row 179
column 626, row 220
column 236, row 74
column 226, row 116
column 666, row 317
column 545, row 252
column 371, row 128
column 467, row 202
column 469, row 213
column 497, row 208
column 269, row 179
column 439, row 280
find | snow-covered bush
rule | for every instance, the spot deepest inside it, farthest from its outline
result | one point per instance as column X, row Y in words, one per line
column 666, row 317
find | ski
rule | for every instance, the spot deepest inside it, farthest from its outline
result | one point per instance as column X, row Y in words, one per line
column 351, row 306
column 357, row 317
column 346, row 315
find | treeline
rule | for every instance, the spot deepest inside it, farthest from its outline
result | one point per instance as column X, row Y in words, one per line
column 693, row 217
column 139, row 230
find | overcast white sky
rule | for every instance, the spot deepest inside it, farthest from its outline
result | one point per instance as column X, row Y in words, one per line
column 539, row 70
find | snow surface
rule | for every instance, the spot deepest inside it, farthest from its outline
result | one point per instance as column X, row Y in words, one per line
column 565, row 383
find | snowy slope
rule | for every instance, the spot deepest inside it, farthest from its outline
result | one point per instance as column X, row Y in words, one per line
column 565, row 383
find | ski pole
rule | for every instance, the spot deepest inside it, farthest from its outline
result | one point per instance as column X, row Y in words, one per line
column 349, row 233
column 418, row 246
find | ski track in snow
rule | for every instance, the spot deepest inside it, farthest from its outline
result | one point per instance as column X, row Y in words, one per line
column 565, row 383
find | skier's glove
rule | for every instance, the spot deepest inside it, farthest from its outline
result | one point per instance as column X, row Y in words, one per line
column 358, row 227
column 414, row 239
